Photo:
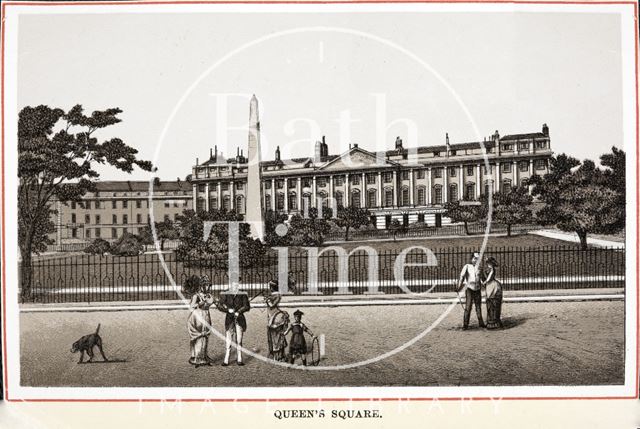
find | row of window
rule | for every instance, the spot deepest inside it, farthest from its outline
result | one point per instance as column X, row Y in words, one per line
column 97, row 232
column 114, row 219
column 124, row 204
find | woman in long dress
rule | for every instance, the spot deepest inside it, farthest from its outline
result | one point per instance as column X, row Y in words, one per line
column 493, row 290
column 199, row 321
column 277, row 323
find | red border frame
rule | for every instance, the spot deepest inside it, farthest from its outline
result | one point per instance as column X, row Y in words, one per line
column 186, row 2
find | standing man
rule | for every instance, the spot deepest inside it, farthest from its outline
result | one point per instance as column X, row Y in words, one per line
column 234, row 304
column 470, row 279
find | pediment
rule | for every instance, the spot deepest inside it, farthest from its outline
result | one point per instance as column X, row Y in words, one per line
column 357, row 158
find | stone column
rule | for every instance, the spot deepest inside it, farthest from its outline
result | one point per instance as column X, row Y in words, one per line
column 395, row 188
column 346, row 190
column 515, row 173
column 429, row 185
column 206, row 201
column 363, row 187
column 194, row 197
column 380, row 204
column 498, row 186
column 478, row 182
column 314, row 193
column 411, row 191
column 445, row 185
column 286, row 195
column 299, row 193
column 332, row 197
column 461, row 183
column 219, row 189
column 273, row 195
column 232, row 185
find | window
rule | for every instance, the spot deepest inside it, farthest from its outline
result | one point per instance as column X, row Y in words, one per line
column 98, row 232
column 240, row 206
column 167, row 204
column 267, row 202
column 489, row 170
column 405, row 197
column 280, row 184
column 355, row 179
column 524, row 146
column 453, row 192
column 73, row 205
column 88, row 233
column 338, row 181
column 388, row 198
column 239, row 186
column 114, row 204
column 507, row 147
column 138, row 218
column 436, row 154
column 138, row 204
column 114, row 219
column 97, row 219
column 487, row 187
column 371, row 198
column 540, row 164
column 388, row 177
column 175, row 203
column 322, row 182
column 452, row 172
column 506, row 167
column 453, row 153
column 74, row 233
column 226, row 203
column 470, row 191
column 73, row 218
column 280, row 201
column 437, row 172
column 405, row 175
column 339, row 199
column 506, row 186
column 125, row 204
column 420, row 174
column 355, row 198
column 422, row 196
column 225, row 186
column 469, row 170
column 166, row 218
column 420, row 217
column 371, row 178
column 97, row 204
column 541, row 145
column 87, row 218
column 114, row 232
column 293, row 201
column 437, row 194
column 523, row 165
column 267, row 184
column 125, row 219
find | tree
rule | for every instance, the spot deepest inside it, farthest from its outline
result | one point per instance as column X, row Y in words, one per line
column 578, row 199
column 309, row 230
column 614, row 177
column 352, row 217
column 512, row 207
column 165, row 230
column 464, row 212
column 271, row 221
column 99, row 246
column 396, row 226
column 127, row 245
column 57, row 156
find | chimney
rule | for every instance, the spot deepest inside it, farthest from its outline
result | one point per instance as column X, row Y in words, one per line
column 398, row 143
column 318, row 152
column 355, row 145
column 324, row 152
column 197, row 163
column 545, row 130
column 447, row 138
column 278, row 153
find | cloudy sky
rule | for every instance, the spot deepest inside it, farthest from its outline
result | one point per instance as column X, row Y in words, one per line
column 512, row 72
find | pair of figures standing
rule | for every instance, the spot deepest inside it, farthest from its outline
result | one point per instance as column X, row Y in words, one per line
column 234, row 305
column 474, row 279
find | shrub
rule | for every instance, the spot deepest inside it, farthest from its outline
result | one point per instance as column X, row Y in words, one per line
column 98, row 246
column 127, row 245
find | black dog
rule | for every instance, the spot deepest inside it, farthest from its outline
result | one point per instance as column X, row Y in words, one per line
column 86, row 344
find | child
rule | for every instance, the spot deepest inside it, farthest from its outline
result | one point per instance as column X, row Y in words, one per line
column 298, row 345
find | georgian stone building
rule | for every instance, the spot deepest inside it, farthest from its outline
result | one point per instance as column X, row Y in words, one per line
column 408, row 184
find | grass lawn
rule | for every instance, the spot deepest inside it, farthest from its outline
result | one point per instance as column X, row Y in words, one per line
column 575, row 343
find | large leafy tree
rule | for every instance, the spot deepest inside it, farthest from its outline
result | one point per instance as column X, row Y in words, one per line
column 576, row 198
column 165, row 230
column 352, row 217
column 512, row 207
column 57, row 156
column 309, row 230
column 465, row 212
column 614, row 177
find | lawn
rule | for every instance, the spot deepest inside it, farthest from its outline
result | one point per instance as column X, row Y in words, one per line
column 574, row 343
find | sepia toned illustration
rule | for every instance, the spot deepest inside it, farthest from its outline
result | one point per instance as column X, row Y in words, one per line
column 322, row 200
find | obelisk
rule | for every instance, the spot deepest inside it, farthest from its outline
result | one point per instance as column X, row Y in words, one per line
column 254, row 174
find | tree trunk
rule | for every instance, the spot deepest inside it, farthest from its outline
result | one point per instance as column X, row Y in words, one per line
column 26, row 274
column 466, row 228
column 346, row 233
column 508, row 230
column 582, row 235
column 162, row 244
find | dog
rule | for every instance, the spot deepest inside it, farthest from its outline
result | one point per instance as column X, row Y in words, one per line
column 86, row 344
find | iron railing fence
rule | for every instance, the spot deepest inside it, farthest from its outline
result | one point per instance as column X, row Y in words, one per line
column 90, row 278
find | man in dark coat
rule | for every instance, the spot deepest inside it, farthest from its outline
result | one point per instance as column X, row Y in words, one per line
column 234, row 304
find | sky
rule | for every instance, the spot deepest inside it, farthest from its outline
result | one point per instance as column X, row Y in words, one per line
column 511, row 72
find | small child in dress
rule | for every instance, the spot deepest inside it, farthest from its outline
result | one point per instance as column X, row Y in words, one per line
column 298, row 344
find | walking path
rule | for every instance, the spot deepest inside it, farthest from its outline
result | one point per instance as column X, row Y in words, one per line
column 573, row 238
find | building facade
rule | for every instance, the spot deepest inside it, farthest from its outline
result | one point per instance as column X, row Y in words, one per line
column 117, row 207
column 408, row 184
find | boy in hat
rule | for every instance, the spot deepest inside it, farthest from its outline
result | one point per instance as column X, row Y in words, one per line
column 470, row 278
column 298, row 345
